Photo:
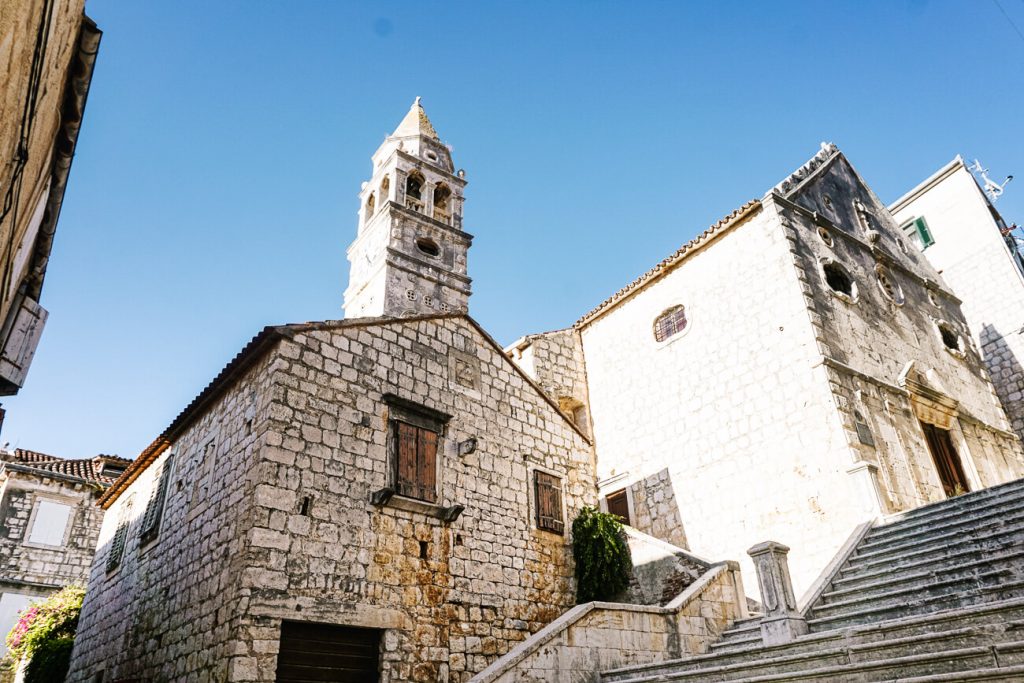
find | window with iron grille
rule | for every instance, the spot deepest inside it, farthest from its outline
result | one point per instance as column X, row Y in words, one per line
column 150, row 526
column 120, row 536
column 548, row 497
column 671, row 322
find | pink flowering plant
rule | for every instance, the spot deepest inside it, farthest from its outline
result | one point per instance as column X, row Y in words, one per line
column 55, row 618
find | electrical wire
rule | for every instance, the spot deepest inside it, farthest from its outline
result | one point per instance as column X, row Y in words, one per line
column 1009, row 20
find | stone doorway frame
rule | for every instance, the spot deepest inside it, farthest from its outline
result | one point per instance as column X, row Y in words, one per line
column 932, row 405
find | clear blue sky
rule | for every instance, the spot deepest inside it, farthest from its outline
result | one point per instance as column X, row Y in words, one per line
column 214, row 189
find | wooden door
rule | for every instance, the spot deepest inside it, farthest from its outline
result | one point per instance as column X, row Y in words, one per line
column 325, row 652
column 618, row 505
column 947, row 460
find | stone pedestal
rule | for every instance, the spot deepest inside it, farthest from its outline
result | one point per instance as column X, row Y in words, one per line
column 782, row 621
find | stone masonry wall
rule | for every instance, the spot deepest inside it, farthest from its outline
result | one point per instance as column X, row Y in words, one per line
column 555, row 361
column 168, row 611
column 450, row 597
column 32, row 566
column 970, row 254
column 600, row 636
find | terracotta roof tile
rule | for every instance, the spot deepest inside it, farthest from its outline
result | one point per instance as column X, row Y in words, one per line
column 87, row 469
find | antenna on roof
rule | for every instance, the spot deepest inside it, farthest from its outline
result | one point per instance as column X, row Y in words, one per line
column 992, row 189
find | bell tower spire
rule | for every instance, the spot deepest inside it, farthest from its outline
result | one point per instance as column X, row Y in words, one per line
column 409, row 254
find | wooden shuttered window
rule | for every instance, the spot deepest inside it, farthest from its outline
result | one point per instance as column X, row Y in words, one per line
column 150, row 526
column 415, row 461
column 117, row 543
column 547, row 490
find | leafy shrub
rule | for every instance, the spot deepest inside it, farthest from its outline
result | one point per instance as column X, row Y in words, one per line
column 46, row 630
column 50, row 661
column 603, row 563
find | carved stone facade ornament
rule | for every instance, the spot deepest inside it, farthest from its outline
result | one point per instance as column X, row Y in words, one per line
column 782, row 621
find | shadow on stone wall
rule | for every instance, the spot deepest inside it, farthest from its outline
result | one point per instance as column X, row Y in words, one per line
column 1007, row 375
column 661, row 571
column 656, row 510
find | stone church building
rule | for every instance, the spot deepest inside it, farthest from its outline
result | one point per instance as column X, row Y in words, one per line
column 800, row 351
column 393, row 492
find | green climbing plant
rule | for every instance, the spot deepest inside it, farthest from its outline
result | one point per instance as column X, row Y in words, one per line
column 44, row 635
column 603, row 563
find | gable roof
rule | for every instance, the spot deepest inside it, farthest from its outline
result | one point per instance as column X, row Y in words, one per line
column 252, row 352
column 87, row 470
column 669, row 263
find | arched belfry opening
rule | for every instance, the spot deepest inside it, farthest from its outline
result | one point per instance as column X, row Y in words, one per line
column 442, row 202
column 414, row 183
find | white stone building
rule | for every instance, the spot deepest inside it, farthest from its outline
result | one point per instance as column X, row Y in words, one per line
column 964, row 237
column 49, row 523
column 792, row 372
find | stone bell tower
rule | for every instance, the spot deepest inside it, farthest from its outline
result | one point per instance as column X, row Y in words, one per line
column 409, row 255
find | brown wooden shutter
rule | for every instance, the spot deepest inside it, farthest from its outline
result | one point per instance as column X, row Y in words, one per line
column 427, row 463
column 548, row 495
column 405, row 461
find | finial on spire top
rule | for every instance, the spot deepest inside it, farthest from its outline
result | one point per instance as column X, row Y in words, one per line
column 415, row 123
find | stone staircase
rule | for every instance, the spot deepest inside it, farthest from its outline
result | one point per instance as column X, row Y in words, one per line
column 936, row 594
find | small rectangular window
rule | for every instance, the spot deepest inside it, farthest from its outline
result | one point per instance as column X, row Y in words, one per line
column 548, row 496
column 50, row 523
column 150, row 526
column 117, row 543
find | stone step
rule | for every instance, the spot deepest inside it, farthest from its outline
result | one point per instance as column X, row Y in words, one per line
column 1004, row 613
column 907, row 595
column 835, row 664
column 967, row 500
column 1011, row 499
column 943, row 601
column 938, row 534
column 951, row 565
column 1008, row 674
column 955, row 522
column 992, row 541
column 808, row 652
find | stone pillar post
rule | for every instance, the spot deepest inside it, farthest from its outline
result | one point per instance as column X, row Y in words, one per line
column 782, row 621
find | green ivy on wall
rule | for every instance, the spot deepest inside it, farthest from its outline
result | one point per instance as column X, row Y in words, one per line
column 603, row 563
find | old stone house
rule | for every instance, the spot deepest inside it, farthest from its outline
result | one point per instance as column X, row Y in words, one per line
column 49, row 522
column 962, row 234
column 48, row 49
column 382, row 492
column 795, row 370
